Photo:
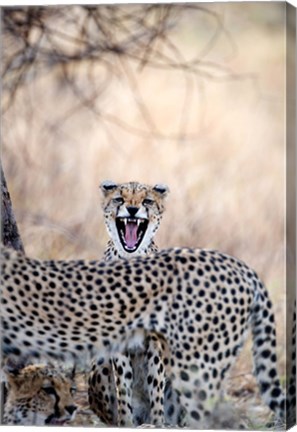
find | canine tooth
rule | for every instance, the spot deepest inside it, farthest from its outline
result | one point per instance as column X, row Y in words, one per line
column 125, row 221
column 138, row 222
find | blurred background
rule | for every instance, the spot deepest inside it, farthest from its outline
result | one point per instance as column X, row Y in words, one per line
column 188, row 95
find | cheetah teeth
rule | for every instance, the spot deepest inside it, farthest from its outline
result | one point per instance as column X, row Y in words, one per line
column 138, row 221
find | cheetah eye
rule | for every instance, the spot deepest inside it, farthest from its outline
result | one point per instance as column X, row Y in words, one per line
column 148, row 202
column 118, row 200
column 73, row 390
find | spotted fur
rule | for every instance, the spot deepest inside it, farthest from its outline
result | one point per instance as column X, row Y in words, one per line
column 201, row 302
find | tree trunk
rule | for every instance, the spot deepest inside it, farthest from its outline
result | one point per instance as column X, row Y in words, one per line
column 9, row 230
column 10, row 237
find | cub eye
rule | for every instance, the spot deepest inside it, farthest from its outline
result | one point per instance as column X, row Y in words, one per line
column 49, row 390
column 118, row 200
column 73, row 390
column 148, row 202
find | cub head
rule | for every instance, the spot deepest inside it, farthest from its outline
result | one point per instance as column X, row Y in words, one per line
column 132, row 213
column 38, row 395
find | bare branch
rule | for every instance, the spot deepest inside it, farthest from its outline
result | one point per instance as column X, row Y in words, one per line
column 38, row 40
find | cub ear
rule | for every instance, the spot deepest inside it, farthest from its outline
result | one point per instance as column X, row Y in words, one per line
column 13, row 368
column 107, row 186
column 161, row 189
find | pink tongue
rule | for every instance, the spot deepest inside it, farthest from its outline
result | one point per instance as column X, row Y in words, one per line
column 131, row 234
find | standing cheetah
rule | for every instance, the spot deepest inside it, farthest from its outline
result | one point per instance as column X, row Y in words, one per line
column 201, row 302
column 132, row 213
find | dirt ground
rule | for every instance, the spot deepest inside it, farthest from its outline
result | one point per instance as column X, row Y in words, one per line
column 242, row 406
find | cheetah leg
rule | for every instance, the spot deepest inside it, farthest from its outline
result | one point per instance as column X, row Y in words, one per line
column 194, row 410
column 124, row 378
column 156, row 380
column 198, row 391
column 173, row 411
column 102, row 391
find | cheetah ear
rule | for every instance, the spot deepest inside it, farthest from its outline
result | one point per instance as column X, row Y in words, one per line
column 12, row 368
column 161, row 189
column 107, row 186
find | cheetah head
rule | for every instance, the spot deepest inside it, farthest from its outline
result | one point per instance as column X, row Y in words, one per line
column 132, row 213
column 39, row 395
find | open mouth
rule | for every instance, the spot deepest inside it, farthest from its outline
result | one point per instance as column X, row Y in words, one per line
column 131, row 232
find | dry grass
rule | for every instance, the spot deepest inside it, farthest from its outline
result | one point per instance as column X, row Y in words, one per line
column 223, row 157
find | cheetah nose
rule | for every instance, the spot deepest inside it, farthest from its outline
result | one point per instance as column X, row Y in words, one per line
column 132, row 210
column 71, row 408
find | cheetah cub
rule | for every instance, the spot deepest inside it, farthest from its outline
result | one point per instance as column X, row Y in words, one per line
column 38, row 395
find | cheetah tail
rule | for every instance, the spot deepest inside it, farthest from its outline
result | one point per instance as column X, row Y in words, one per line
column 264, row 353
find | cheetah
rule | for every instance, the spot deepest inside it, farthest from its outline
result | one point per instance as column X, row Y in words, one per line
column 132, row 213
column 38, row 394
column 202, row 302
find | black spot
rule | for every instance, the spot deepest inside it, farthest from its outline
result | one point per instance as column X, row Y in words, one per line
column 128, row 375
column 202, row 395
column 170, row 410
column 191, row 329
column 206, row 358
column 205, row 327
column 149, row 379
column 120, row 370
column 38, row 286
column 205, row 376
column 182, row 259
column 156, row 360
column 276, row 392
column 79, row 347
column 209, row 308
column 272, row 373
column 273, row 405
column 195, row 415
column 184, row 376
column 210, row 337
column 215, row 320
column 266, row 353
column 214, row 373
column 216, row 346
column 264, row 386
